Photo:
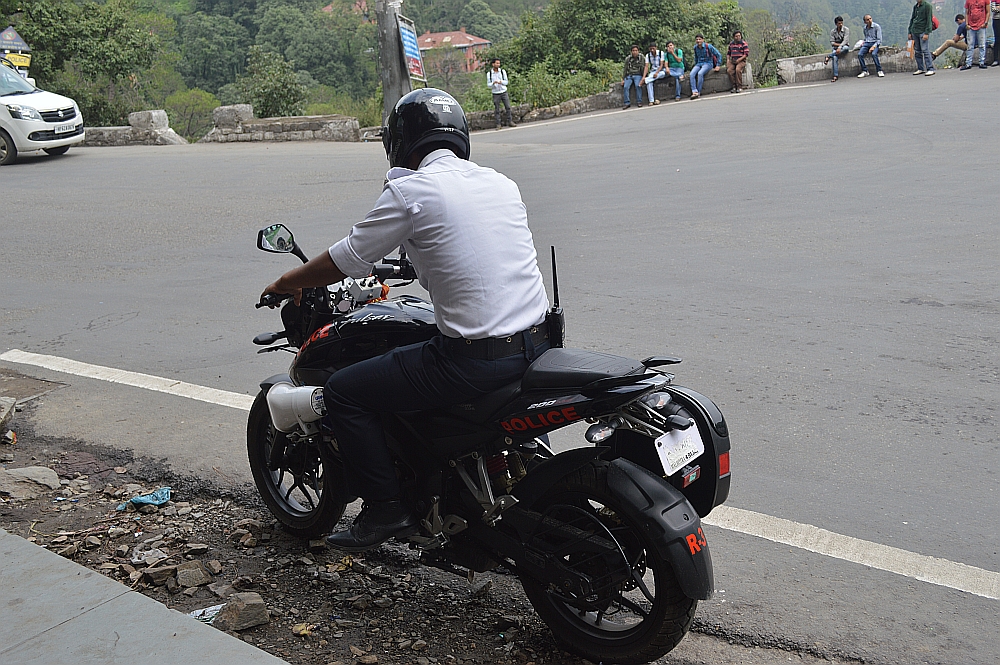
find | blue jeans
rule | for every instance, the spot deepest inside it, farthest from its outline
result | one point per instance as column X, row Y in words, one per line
column 865, row 49
column 636, row 80
column 418, row 377
column 976, row 38
column 698, row 76
column 677, row 74
column 922, row 53
column 836, row 54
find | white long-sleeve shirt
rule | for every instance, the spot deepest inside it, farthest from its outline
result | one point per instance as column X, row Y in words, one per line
column 465, row 228
column 497, row 81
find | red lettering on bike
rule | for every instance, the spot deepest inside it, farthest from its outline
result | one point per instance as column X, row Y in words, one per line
column 539, row 421
column 693, row 545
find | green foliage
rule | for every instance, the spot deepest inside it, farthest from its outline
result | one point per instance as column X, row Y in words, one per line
column 478, row 19
column 190, row 112
column 540, row 86
column 270, row 85
column 92, row 52
column 768, row 41
column 213, row 50
column 572, row 33
column 324, row 100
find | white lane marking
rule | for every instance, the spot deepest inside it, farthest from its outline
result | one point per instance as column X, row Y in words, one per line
column 135, row 379
column 941, row 572
column 933, row 570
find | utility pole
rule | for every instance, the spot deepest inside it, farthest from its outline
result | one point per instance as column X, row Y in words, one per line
column 392, row 66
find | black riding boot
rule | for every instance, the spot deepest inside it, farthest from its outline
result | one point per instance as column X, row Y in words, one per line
column 378, row 522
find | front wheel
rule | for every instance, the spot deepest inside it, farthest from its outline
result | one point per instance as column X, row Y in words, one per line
column 636, row 611
column 298, row 481
column 61, row 150
column 8, row 151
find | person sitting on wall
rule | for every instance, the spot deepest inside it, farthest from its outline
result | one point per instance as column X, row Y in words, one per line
column 736, row 60
column 675, row 63
column 632, row 76
column 840, row 43
column 870, row 44
column 958, row 41
column 656, row 68
column 706, row 57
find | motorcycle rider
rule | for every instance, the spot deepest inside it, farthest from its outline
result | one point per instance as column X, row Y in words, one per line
column 465, row 229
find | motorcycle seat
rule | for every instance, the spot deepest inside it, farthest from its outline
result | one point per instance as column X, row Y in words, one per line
column 574, row 368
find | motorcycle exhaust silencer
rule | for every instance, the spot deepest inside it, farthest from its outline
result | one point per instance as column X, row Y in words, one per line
column 292, row 407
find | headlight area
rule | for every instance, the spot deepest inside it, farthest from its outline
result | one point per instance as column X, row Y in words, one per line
column 19, row 112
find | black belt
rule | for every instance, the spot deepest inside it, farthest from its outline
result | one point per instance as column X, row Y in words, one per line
column 493, row 348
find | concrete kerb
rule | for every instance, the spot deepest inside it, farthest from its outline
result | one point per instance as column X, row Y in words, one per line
column 57, row 611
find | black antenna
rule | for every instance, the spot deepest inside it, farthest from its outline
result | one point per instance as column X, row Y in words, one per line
column 555, row 280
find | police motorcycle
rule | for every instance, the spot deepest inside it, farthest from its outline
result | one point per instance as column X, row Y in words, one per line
column 606, row 539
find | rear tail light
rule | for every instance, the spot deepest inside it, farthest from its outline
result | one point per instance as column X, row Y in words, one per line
column 724, row 464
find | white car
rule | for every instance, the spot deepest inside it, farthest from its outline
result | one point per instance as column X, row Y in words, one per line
column 32, row 119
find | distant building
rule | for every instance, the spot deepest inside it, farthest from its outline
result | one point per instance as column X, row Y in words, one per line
column 470, row 45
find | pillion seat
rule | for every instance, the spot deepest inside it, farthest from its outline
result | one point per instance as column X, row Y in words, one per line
column 569, row 368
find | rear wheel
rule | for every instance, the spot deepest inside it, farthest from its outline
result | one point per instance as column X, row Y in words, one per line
column 636, row 611
column 8, row 151
column 61, row 150
column 299, row 481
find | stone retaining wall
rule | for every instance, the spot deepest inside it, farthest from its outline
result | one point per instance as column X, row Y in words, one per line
column 236, row 123
column 145, row 128
column 810, row 68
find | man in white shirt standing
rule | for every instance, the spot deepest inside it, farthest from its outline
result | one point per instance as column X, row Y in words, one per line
column 496, row 79
column 465, row 229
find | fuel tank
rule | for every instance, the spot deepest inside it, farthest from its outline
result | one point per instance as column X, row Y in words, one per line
column 366, row 332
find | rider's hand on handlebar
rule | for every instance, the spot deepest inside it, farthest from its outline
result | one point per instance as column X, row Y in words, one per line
column 277, row 290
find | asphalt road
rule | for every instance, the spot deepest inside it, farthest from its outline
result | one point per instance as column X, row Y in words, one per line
column 822, row 257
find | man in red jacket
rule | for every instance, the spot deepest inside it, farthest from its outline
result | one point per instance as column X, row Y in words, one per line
column 977, row 14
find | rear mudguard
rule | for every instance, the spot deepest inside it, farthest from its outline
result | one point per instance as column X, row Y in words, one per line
column 269, row 382
column 542, row 477
column 670, row 521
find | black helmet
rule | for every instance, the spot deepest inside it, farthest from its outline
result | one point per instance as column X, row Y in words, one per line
column 424, row 117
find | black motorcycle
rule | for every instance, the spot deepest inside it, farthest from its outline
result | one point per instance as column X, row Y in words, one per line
column 606, row 539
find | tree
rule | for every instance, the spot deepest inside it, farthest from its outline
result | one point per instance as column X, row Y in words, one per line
column 213, row 50
column 480, row 20
column 446, row 64
column 190, row 112
column 768, row 41
column 270, row 85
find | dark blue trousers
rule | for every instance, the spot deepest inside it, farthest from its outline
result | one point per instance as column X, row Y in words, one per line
column 418, row 377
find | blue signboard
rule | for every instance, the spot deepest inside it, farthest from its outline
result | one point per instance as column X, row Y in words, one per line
column 411, row 49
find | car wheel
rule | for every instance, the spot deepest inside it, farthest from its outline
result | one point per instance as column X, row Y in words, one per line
column 8, row 151
column 56, row 151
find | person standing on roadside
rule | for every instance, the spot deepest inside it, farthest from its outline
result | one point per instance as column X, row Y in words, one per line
column 921, row 26
column 736, row 60
column 995, row 8
column 706, row 57
column 497, row 80
column 632, row 76
column 871, row 44
column 977, row 14
column 675, row 64
column 839, row 37
column 656, row 68
column 958, row 41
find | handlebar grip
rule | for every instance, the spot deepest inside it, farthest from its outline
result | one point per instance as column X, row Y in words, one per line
column 272, row 300
column 383, row 272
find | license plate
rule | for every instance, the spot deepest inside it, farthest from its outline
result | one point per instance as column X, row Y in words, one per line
column 677, row 448
column 63, row 129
